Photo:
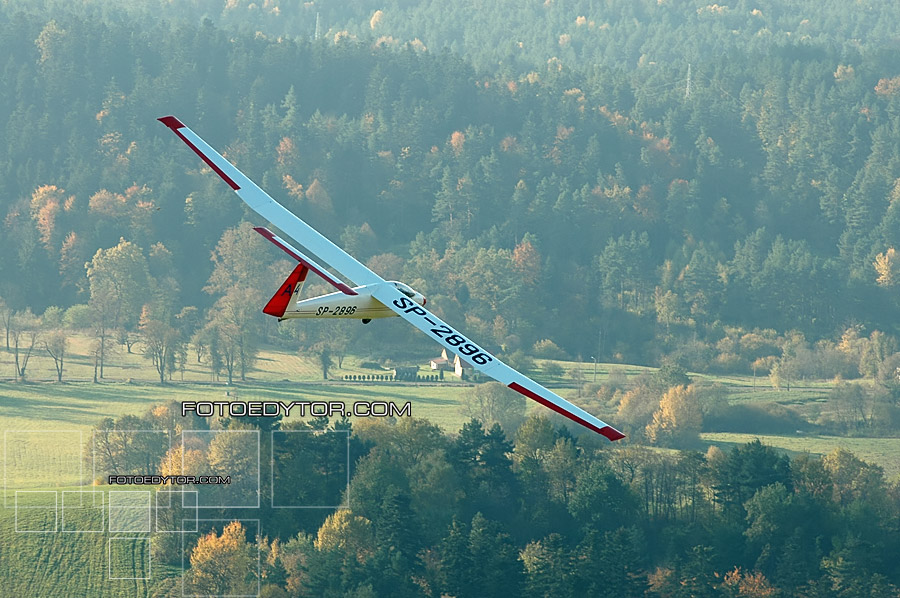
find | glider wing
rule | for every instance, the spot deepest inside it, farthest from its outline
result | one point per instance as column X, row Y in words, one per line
column 303, row 259
column 263, row 204
column 484, row 362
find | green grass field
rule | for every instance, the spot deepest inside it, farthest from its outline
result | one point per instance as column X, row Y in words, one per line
column 31, row 563
column 880, row 451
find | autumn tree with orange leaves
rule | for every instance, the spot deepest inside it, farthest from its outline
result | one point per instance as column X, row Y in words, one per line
column 222, row 564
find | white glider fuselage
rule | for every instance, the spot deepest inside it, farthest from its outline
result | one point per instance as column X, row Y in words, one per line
column 362, row 306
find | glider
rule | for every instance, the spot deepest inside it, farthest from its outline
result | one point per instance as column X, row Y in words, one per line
column 373, row 297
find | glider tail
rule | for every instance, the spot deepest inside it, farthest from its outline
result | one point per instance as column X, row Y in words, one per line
column 288, row 293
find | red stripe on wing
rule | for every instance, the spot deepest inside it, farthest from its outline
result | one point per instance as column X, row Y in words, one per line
column 607, row 431
column 175, row 124
column 275, row 241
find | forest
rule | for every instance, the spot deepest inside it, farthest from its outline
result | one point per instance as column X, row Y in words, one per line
column 538, row 513
column 698, row 187
column 758, row 195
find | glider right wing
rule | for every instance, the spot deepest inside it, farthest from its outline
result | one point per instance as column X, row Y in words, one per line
column 486, row 363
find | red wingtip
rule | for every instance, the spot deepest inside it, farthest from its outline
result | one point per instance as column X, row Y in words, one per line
column 608, row 431
column 175, row 124
column 171, row 122
column 611, row 433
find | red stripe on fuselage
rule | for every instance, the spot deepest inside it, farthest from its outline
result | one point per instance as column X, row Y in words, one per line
column 175, row 124
column 607, row 431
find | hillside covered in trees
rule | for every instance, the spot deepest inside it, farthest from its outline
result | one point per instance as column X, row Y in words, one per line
column 621, row 201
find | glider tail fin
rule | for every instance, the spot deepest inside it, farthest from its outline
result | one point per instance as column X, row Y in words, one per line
column 288, row 293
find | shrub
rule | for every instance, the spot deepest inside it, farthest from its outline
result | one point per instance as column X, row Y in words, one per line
column 547, row 349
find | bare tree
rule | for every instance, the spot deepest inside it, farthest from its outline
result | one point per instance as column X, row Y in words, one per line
column 55, row 345
column 160, row 343
column 24, row 332
column 101, row 317
column 6, row 314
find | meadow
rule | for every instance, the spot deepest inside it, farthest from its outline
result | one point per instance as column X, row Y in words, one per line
column 131, row 386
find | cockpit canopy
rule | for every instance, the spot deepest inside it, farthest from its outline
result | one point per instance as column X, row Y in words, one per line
column 404, row 289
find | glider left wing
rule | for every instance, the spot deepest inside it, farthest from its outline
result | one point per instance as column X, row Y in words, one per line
column 486, row 363
column 263, row 204
column 303, row 259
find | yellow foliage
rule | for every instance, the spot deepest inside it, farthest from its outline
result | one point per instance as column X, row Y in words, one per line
column 107, row 203
column 509, row 144
column 45, row 202
column 220, row 564
column 346, row 532
column 749, row 585
column 376, row 19
column 887, row 265
column 318, row 197
column 678, row 418
column 49, row 39
column 527, row 262
column 171, row 462
column 636, row 407
column 844, row 73
column 457, row 141
column 287, row 152
column 294, row 188
column 714, row 9
column 888, row 87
